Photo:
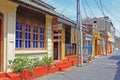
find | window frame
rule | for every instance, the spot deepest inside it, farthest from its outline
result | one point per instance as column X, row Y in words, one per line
column 31, row 35
column 19, row 31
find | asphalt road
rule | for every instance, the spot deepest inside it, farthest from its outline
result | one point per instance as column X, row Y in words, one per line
column 103, row 68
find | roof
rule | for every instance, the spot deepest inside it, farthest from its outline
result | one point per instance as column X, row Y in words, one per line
column 40, row 2
column 51, row 11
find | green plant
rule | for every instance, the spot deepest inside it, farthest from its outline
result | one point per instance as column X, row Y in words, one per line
column 24, row 62
column 21, row 63
column 47, row 60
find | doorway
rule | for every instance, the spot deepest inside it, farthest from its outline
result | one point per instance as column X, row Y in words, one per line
column 57, row 50
column 1, row 42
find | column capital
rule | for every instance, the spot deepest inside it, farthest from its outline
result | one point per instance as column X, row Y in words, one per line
column 6, row 6
column 48, row 17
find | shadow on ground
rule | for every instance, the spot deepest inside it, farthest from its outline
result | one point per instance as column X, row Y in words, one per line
column 116, row 57
column 117, row 75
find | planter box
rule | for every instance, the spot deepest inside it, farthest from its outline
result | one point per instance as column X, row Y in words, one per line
column 27, row 75
column 52, row 69
column 40, row 71
column 73, row 61
column 65, row 64
column 14, row 76
column 3, row 76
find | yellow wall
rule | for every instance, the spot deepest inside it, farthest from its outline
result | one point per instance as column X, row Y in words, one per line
column 63, row 44
column 96, row 46
column 72, row 35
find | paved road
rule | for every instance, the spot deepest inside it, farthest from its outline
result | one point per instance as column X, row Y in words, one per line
column 104, row 68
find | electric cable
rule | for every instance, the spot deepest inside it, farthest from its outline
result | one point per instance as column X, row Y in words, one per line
column 66, row 7
column 89, row 8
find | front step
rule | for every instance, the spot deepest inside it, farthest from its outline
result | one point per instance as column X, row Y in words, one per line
column 5, row 78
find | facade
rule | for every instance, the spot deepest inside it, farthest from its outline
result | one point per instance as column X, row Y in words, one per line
column 63, row 39
column 34, row 28
column 28, row 27
column 117, row 43
column 101, row 25
column 87, row 42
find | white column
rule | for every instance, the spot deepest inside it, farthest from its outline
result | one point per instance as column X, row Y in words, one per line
column 9, row 16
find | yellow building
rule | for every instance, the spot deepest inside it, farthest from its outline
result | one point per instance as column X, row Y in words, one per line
column 63, row 39
column 96, row 41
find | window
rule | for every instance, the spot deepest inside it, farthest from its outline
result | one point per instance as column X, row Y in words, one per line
column 35, row 37
column 70, row 49
column 29, row 36
column 18, row 35
column 41, row 37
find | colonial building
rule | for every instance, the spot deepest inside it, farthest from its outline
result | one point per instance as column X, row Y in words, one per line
column 34, row 28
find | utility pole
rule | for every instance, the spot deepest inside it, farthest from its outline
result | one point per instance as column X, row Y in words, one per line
column 79, row 50
column 106, row 39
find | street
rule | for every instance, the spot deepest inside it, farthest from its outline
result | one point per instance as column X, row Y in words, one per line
column 103, row 68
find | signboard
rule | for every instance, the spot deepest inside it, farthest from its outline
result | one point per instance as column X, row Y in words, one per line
column 57, row 27
column 88, row 38
column 89, row 48
column 85, row 53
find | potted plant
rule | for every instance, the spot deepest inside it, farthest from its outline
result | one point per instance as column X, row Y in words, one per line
column 47, row 61
column 24, row 66
column 29, row 68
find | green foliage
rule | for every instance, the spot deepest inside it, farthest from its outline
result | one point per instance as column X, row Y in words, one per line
column 24, row 62
column 19, row 63
column 47, row 60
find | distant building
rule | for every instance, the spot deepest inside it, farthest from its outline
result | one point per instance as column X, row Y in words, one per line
column 106, row 28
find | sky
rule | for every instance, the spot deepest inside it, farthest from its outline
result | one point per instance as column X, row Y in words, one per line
column 68, row 9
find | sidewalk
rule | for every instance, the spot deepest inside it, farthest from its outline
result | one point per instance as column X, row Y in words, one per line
column 104, row 68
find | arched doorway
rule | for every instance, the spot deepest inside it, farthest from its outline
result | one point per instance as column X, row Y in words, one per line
column 1, row 42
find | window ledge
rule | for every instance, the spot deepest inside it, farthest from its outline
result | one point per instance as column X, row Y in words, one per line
column 31, row 52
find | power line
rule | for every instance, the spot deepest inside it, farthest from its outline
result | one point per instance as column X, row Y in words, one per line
column 89, row 8
column 112, row 14
column 66, row 7
column 84, row 8
column 100, row 6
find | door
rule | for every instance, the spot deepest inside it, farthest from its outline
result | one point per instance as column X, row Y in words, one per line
column 1, row 43
column 55, row 50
